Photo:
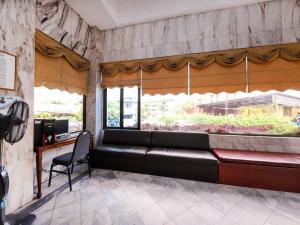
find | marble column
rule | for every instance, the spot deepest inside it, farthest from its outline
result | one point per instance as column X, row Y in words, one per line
column 17, row 27
column 94, row 97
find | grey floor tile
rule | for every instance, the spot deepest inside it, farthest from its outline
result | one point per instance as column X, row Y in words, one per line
column 188, row 218
column 88, row 205
column 227, row 221
column 278, row 219
column 170, row 222
column 172, row 207
column 290, row 206
column 189, row 198
column 49, row 206
column 207, row 212
column 66, row 199
column 133, row 219
column 110, row 185
column 100, row 216
column 116, row 197
column 76, row 221
column 153, row 215
column 43, row 218
column 132, row 189
column 249, row 212
column 266, row 197
column 141, row 201
column 90, row 191
column 65, row 214
column 119, row 209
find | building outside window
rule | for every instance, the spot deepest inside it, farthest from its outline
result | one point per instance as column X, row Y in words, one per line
column 122, row 107
column 268, row 113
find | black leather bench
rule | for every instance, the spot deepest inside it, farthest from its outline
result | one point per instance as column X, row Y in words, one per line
column 122, row 150
column 174, row 154
column 181, row 155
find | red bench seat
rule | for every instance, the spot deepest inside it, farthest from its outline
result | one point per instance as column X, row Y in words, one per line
column 268, row 170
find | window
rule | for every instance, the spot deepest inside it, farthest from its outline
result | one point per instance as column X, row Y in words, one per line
column 263, row 113
column 56, row 104
column 121, row 107
column 113, row 107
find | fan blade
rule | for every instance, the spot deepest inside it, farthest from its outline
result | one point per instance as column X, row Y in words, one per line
column 17, row 121
column 19, row 114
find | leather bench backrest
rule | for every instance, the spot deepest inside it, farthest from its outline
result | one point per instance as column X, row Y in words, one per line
column 127, row 137
column 185, row 140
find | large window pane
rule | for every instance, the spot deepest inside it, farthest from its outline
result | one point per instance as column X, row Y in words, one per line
column 113, row 107
column 130, row 102
column 56, row 104
column 268, row 113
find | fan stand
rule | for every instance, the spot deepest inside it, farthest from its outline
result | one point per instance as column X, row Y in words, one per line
column 15, row 219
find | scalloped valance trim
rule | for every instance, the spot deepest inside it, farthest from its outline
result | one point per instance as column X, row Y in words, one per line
column 227, row 58
column 49, row 47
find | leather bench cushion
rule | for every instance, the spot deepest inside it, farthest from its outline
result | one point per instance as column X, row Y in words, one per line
column 182, row 163
column 119, row 157
column 181, row 140
column 258, row 158
column 183, row 154
column 122, row 150
column 126, row 137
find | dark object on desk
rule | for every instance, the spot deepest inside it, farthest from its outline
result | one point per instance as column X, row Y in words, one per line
column 80, row 154
column 67, row 136
column 44, row 132
column 61, row 127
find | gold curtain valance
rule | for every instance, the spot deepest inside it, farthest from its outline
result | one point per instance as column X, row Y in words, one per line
column 49, row 47
column 290, row 52
column 57, row 73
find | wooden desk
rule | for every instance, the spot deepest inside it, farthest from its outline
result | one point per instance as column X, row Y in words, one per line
column 39, row 158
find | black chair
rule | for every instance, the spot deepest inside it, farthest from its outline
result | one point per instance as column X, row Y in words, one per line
column 80, row 154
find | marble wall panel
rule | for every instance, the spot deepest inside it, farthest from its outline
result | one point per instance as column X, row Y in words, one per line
column 268, row 23
column 17, row 27
column 255, row 143
column 61, row 22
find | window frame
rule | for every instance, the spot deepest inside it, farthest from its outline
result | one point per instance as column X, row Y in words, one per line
column 121, row 110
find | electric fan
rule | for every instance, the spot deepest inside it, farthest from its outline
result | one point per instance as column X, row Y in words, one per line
column 12, row 129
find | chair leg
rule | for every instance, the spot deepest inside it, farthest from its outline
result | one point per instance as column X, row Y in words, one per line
column 90, row 171
column 72, row 168
column 50, row 175
column 69, row 175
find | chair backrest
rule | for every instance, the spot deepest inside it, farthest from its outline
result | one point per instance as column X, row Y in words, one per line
column 82, row 146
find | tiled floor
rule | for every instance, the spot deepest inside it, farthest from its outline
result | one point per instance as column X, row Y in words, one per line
column 113, row 197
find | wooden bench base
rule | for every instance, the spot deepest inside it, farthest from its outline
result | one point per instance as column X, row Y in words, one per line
column 260, row 176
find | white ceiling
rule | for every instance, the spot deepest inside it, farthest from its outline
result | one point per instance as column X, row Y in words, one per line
column 106, row 14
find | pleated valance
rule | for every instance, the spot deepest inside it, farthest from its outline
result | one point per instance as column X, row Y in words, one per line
column 279, row 74
column 261, row 68
column 57, row 67
column 51, row 48
column 216, row 78
column 227, row 58
column 122, row 79
column 165, row 81
column 57, row 73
